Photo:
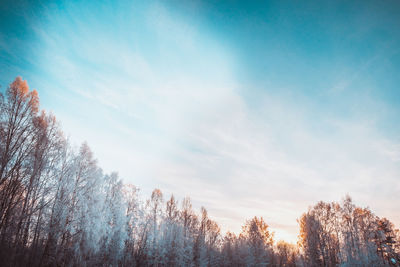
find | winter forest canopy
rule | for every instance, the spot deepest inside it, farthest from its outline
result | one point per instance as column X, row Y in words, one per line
column 57, row 208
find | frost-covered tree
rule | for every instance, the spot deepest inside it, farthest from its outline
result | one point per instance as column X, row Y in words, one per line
column 114, row 234
column 259, row 241
column 343, row 234
column 287, row 254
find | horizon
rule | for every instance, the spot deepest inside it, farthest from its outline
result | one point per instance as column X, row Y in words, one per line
column 249, row 109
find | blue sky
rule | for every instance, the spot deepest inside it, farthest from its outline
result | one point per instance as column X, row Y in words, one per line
column 259, row 108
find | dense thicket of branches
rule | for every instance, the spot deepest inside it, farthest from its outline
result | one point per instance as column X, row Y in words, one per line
column 57, row 208
column 333, row 234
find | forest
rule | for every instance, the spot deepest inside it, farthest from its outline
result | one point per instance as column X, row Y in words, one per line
column 58, row 208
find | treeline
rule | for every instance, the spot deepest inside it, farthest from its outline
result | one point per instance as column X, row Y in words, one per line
column 57, row 208
column 333, row 234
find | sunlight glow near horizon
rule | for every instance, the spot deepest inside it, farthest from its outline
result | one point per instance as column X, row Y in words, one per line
column 246, row 114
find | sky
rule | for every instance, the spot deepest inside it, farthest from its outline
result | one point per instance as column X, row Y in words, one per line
column 250, row 108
